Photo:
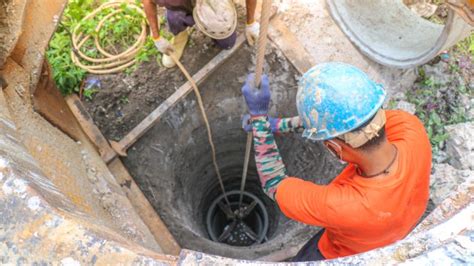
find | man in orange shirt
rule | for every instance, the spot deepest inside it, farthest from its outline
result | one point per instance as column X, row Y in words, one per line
column 381, row 194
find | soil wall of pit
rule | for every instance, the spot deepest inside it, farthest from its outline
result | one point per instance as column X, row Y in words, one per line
column 172, row 162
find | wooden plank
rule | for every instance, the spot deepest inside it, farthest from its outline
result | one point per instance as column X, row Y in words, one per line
column 87, row 124
column 184, row 90
column 291, row 47
column 144, row 209
column 49, row 103
column 141, row 204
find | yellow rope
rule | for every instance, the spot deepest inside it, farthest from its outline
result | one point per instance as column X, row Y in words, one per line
column 108, row 63
column 206, row 122
column 262, row 40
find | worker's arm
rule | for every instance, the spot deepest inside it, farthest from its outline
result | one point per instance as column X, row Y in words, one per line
column 288, row 125
column 160, row 43
column 277, row 125
column 252, row 27
column 305, row 201
column 298, row 199
column 270, row 167
column 151, row 16
column 251, row 6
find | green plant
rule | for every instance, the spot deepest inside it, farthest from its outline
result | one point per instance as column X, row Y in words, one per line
column 66, row 74
column 466, row 46
column 89, row 93
column 116, row 35
column 392, row 104
column 124, row 100
column 438, row 105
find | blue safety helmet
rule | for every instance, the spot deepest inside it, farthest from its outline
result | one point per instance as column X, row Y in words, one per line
column 336, row 98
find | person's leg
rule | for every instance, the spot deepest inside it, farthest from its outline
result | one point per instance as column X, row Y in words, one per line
column 310, row 251
column 178, row 20
column 228, row 42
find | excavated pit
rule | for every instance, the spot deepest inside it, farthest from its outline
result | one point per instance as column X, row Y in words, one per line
column 172, row 163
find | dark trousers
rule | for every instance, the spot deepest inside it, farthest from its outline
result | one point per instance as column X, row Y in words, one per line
column 179, row 20
column 310, row 251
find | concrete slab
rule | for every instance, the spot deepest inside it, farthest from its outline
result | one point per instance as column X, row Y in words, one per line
column 40, row 22
column 313, row 26
column 12, row 14
column 75, row 168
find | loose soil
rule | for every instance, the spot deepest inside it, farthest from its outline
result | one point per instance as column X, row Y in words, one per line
column 124, row 100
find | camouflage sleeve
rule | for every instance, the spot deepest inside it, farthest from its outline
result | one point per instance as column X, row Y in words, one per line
column 288, row 125
column 270, row 167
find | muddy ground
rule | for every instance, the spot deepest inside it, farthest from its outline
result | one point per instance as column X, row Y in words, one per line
column 124, row 100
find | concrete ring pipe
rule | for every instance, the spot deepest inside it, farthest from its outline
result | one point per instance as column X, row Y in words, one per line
column 389, row 33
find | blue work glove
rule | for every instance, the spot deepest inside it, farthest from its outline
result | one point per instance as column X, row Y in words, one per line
column 257, row 100
column 247, row 124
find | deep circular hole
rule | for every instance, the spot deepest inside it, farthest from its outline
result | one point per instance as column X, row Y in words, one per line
column 241, row 222
column 174, row 167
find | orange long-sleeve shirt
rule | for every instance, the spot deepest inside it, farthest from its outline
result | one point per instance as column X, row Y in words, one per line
column 359, row 213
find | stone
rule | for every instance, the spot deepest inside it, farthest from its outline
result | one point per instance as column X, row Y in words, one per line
column 440, row 157
column 398, row 96
column 444, row 180
column 470, row 114
column 439, row 72
column 406, row 106
column 460, row 145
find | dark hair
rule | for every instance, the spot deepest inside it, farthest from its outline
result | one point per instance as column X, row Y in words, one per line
column 373, row 142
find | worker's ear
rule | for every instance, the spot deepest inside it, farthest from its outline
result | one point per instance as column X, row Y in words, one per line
column 341, row 143
column 348, row 152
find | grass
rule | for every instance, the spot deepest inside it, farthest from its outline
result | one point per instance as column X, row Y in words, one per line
column 466, row 46
column 116, row 35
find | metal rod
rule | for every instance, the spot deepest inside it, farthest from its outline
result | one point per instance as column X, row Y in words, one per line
column 246, row 166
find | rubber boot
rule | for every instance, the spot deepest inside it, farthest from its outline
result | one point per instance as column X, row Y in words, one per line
column 179, row 42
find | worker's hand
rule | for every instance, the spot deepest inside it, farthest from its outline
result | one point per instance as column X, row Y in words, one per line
column 163, row 45
column 257, row 100
column 247, row 123
column 251, row 32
